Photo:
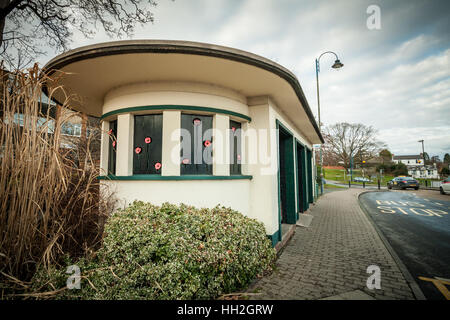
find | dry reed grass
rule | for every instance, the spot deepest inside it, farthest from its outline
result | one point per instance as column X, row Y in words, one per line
column 49, row 197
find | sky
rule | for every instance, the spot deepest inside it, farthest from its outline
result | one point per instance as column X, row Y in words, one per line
column 396, row 77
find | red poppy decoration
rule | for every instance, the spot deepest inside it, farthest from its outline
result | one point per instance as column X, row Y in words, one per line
column 197, row 121
column 233, row 129
column 148, row 140
column 185, row 161
column 137, row 150
column 157, row 166
column 207, row 143
column 114, row 144
column 110, row 131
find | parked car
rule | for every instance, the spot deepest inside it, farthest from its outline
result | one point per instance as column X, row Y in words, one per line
column 403, row 183
column 445, row 186
column 361, row 179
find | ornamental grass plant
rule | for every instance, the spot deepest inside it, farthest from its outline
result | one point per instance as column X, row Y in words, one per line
column 49, row 195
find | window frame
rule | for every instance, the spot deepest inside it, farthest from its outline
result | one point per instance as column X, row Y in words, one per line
column 153, row 129
column 187, row 162
column 235, row 148
column 112, row 148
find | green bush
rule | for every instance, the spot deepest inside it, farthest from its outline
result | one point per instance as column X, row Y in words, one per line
column 169, row 252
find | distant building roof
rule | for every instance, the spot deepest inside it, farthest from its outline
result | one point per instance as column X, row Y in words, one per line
column 415, row 157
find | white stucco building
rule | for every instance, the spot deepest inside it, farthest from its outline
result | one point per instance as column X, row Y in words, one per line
column 409, row 160
column 416, row 167
column 199, row 124
column 423, row 172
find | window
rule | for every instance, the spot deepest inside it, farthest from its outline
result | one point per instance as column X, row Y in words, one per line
column 196, row 144
column 235, row 147
column 19, row 119
column 71, row 129
column 147, row 151
column 112, row 147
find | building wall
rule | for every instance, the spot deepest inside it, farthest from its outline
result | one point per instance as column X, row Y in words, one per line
column 174, row 93
column 256, row 197
column 277, row 114
column 200, row 193
column 424, row 174
column 410, row 162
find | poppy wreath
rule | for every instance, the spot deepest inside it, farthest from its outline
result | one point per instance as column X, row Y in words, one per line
column 157, row 166
column 138, row 150
column 207, row 143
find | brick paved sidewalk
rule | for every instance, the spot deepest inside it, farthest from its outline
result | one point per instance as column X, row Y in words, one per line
column 331, row 256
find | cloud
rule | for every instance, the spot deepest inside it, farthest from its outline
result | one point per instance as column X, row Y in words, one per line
column 395, row 78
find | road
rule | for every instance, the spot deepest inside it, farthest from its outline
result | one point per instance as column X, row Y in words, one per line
column 417, row 226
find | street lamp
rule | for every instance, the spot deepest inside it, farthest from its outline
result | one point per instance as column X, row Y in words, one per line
column 423, row 152
column 337, row 65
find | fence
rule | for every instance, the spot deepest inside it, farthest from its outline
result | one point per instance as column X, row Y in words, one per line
column 430, row 183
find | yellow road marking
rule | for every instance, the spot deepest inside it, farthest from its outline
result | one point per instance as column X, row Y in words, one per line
column 428, row 214
column 438, row 213
column 384, row 209
column 440, row 285
column 403, row 211
column 387, row 206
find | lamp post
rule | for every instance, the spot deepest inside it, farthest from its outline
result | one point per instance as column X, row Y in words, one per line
column 423, row 153
column 337, row 65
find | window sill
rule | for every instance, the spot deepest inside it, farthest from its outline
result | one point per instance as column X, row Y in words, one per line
column 138, row 177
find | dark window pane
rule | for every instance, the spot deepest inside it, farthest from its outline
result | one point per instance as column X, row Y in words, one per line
column 196, row 144
column 235, row 147
column 147, row 147
column 112, row 147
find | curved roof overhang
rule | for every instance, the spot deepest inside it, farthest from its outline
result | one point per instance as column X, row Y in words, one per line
column 94, row 70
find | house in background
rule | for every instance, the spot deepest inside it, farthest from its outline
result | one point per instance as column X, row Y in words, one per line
column 75, row 127
column 424, row 172
column 409, row 160
column 200, row 124
column 416, row 167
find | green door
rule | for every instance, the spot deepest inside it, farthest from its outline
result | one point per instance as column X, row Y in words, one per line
column 286, row 176
column 310, row 176
column 302, row 189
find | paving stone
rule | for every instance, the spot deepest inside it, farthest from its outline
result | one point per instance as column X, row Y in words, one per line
column 331, row 257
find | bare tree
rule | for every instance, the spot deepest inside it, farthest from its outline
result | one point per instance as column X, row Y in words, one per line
column 25, row 25
column 346, row 140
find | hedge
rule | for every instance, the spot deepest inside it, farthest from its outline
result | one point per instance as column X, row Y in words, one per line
column 168, row 252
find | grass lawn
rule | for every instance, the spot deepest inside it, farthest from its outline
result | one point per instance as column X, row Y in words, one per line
column 332, row 186
column 341, row 176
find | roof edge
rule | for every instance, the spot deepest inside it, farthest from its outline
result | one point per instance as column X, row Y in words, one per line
column 183, row 47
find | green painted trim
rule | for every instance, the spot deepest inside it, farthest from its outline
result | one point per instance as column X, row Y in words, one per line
column 290, row 176
column 274, row 238
column 158, row 177
column 279, row 185
column 305, row 179
column 310, row 176
column 297, row 210
column 175, row 107
column 280, row 124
